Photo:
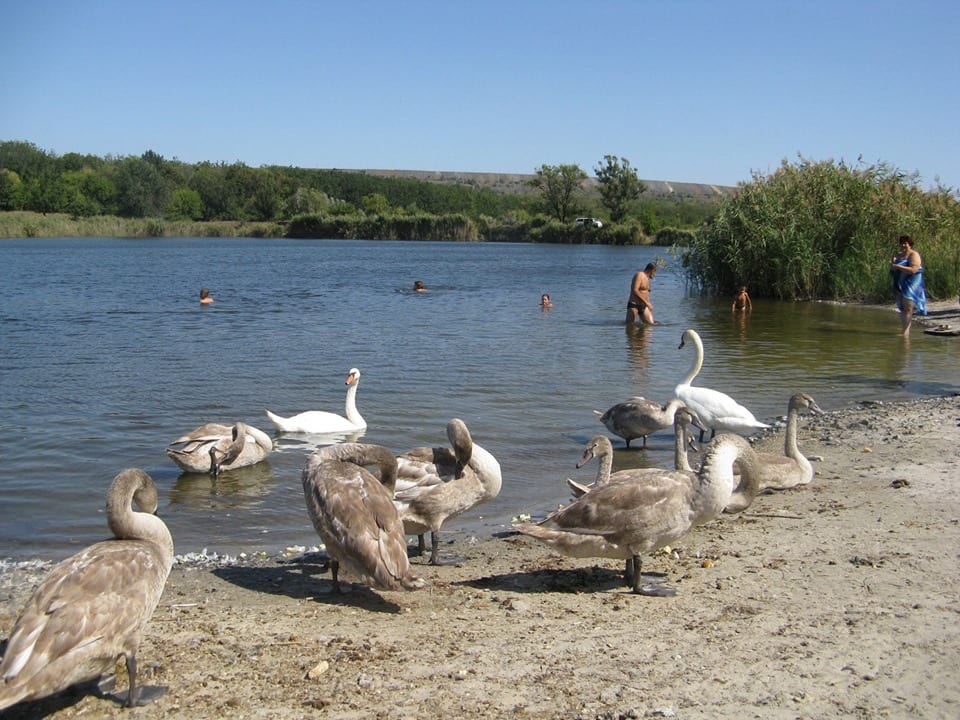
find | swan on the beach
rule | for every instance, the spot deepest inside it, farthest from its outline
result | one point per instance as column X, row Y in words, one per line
column 215, row 447
column 601, row 448
column 92, row 607
column 320, row 422
column 715, row 409
column 436, row 484
column 793, row 468
column 651, row 509
column 353, row 513
column 638, row 417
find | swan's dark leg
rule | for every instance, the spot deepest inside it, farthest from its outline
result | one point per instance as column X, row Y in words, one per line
column 651, row 589
column 335, row 572
column 435, row 552
column 136, row 695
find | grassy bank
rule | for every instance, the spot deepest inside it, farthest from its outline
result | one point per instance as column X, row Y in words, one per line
column 17, row 224
column 22, row 224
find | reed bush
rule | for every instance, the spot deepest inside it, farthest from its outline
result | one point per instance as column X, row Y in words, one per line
column 822, row 230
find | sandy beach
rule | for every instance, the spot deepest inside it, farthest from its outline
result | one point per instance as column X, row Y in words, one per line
column 836, row 599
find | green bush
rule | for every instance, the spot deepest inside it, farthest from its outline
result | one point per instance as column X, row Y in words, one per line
column 821, row 230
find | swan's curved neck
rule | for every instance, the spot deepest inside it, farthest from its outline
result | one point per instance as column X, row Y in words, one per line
column 124, row 522
column 680, row 461
column 350, row 406
column 716, row 474
column 790, row 447
column 487, row 469
column 697, row 361
column 606, row 467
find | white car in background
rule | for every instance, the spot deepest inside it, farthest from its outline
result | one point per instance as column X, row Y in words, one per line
column 589, row 222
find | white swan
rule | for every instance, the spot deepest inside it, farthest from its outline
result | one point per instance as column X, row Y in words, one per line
column 715, row 409
column 436, row 484
column 214, row 447
column 654, row 508
column 92, row 607
column 319, row 422
column 353, row 512
column 638, row 417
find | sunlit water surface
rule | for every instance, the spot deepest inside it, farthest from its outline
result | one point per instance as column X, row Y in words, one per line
column 106, row 356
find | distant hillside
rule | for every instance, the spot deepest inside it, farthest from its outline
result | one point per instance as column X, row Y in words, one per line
column 517, row 183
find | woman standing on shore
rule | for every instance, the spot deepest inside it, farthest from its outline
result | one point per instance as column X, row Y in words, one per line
column 907, row 273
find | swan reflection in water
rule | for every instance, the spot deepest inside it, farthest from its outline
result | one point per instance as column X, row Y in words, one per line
column 243, row 487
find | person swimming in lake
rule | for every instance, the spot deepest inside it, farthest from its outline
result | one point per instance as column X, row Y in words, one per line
column 742, row 301
column 205, row 298
column 545, row 301
column 907, row 273
column 418, row 286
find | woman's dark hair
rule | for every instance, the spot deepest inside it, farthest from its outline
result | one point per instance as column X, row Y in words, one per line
column 906, row 239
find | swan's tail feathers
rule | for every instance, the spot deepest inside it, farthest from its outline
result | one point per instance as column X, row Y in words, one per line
column 278, row 422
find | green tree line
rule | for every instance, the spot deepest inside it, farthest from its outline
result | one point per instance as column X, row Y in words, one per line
column 151, row 186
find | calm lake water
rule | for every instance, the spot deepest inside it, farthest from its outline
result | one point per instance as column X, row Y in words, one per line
column 106, row 356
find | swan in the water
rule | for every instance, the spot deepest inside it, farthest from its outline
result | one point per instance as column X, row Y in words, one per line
column 436, row 484
column 638, row 417
column 715, row 409
column 623, row 519
column 92, row 607
column 214, row 447
column 353, row 512
column 320, row 422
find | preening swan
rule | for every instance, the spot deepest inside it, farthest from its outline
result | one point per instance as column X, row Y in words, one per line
column 92, row 607
column 353, row 512
column 436, row 484
column 638, row 417
column 715, row 409
column 214, row 447
column 653, row 508
column 319, row 422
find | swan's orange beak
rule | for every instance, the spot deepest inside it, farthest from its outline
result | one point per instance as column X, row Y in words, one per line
column 350, row 378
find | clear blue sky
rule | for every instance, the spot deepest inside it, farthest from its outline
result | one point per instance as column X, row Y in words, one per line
column 689, row 91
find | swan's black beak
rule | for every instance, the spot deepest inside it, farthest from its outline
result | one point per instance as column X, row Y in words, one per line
column 214, row 465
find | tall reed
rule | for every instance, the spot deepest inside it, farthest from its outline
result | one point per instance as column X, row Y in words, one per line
column 823, row 230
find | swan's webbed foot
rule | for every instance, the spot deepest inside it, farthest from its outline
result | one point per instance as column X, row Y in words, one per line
column 654, row 586
column 144, row 695
column 435, row 553
column 654, row 590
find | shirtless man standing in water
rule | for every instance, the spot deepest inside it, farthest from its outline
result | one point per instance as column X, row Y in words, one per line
column 639, row 305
